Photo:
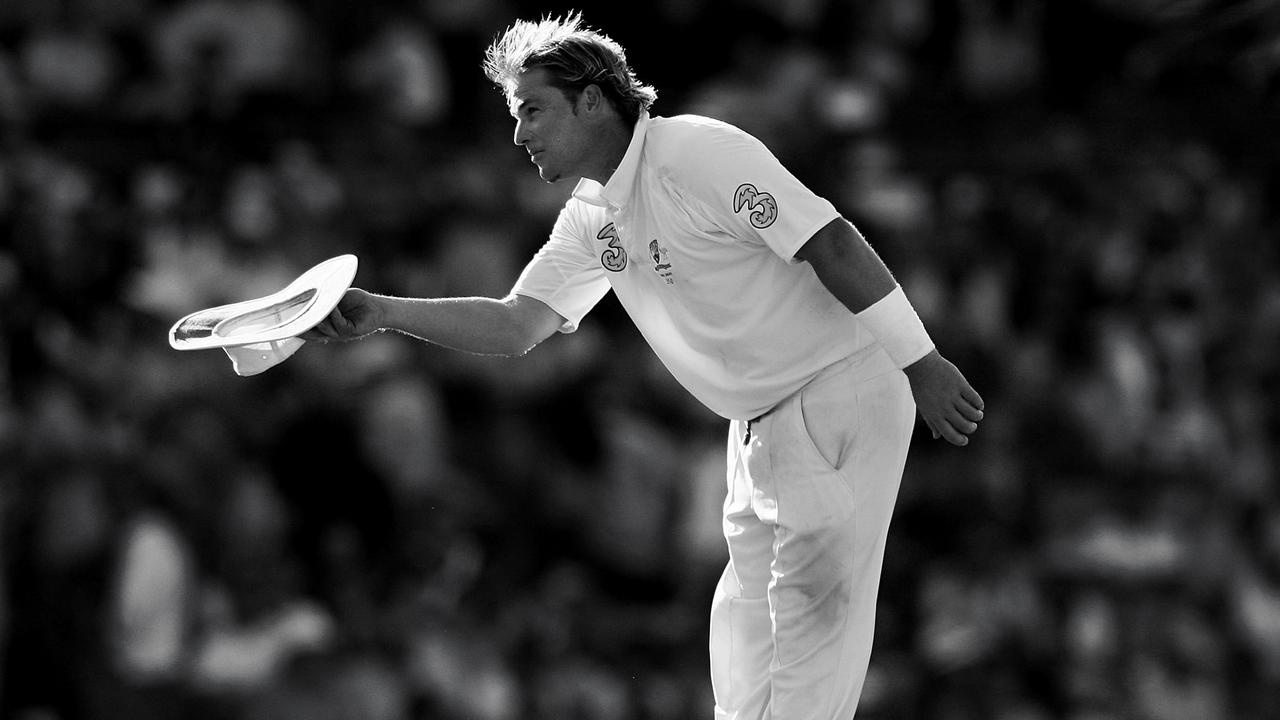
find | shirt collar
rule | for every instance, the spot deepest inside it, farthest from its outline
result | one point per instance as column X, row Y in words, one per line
column 615, row 193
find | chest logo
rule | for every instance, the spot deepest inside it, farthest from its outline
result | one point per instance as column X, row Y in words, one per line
column 661, row 263
column 614, row 259
column 764, row 209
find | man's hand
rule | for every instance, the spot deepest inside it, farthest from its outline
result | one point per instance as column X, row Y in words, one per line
column 358, row 314
column 949, row 405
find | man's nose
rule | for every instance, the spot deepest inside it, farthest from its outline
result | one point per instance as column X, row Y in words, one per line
column 521, row 136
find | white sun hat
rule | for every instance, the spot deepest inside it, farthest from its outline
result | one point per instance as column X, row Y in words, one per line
column 261, row 333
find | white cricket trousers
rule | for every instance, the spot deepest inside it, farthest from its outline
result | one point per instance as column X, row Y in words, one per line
column 812, row 486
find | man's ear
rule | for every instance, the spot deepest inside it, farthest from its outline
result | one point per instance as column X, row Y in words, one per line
column 592, row 98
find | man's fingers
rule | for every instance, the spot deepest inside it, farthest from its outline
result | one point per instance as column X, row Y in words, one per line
column 972, row 397
column 321, row 331
column 949, row 405
column 338, row 322
column 952, row 435
column 337, row 326
column 928, row 422
column 954, row 428
column 326, row 330
column 959, row 420
column 969, row 412
column 330, row 328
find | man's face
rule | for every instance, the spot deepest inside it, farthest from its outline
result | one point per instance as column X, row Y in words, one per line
column 549, row 127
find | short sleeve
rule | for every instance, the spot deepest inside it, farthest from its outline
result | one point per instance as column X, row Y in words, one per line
column 745, row 189
column 565, row 273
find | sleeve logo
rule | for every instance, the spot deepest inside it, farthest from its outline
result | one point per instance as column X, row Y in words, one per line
column 613, row 259
column 764, row 209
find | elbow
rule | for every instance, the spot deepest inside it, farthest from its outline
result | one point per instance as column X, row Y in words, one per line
column 529, row 339
column 510, row 341
column 529, row 323
column 519, row 348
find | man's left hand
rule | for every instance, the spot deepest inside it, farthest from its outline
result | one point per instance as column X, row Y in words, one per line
column 947, row 402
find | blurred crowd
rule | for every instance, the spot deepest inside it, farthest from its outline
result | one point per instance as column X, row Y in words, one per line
column 1078, row 195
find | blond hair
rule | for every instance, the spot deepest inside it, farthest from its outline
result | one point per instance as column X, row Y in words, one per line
column 574, row 55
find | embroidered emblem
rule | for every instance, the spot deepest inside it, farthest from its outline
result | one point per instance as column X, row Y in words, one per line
column 764, row 209
column 615, row 258
column 661, row 263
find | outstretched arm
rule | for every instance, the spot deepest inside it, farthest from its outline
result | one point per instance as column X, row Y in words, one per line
column 486, row 326
column 850, row 268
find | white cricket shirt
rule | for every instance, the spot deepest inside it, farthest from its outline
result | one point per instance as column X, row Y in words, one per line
column 696, row 233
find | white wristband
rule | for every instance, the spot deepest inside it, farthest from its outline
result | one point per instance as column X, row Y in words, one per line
column 894, row 323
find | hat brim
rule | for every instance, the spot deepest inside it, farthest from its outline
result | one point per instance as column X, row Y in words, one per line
column 271, row 319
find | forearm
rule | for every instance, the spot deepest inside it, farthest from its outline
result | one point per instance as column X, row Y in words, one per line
column 853, row 272
column 485, row 326
column 848, row 266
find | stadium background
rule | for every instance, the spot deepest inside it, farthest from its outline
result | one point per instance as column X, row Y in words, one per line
column 1079, row 195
